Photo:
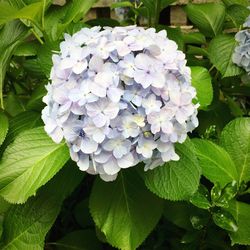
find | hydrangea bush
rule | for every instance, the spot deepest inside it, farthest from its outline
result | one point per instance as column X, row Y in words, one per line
column 120, row 101
column 119, row 96
column 241, row 54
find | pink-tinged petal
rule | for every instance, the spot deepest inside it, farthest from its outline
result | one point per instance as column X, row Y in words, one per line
column 155, row 128
column 104, row 79
column 57, row 135
column 111, row 110
column 167, row 127
column 142, row 61
column 158, row 80
column 88, row 146
column 98, row 89
column 111, row 167
column 83, row 162
column 75, row 95
column 67, row 63
column 50, row 125
column 79, row 67
column 100, row 120
column 126, row 161
column 93, row 109
column 181, row 116
column 114, row 94
column 175, row 97
column 96, row 63
column 77, row 110
column 186, row 98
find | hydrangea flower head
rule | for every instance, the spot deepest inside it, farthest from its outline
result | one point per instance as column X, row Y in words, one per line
column 119, row 96
column 241, row 55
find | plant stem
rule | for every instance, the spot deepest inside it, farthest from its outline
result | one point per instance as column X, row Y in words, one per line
column 157, row 12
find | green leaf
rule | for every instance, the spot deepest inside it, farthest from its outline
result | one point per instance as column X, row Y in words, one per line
column 176, row 180
column 22, row 122
column 221, row 49
column 221, row 196
column 194, row 50
column 11, row 35
column 26, row 226
column 241, row 212
column 4, row 127
column 208, row 17
column 235, row 138
column 216, row 164
column 123, row 4
column 225, row 220
column 237, row 14
column 35, row 102
column 232, row 2
column 194, row 38
column 202, row 81
column 13, row 104
column 118, row 209
column 79, row 240
column 28, row 163
column 32, row 12
column 26, row 49
column 58, row 19
column 200, row 198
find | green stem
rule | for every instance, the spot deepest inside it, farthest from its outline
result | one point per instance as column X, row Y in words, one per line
column 157, row 12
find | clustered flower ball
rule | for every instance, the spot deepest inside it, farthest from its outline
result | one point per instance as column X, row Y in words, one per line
column 119, row 96
column 241, row 55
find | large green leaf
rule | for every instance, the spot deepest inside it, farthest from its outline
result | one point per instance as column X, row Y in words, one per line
column 4, row 127
column 25, row 226
column 124, row 210
column 23, row 121
column 237, row 14
column 202, row 81
column 32, row 12
column 216, row 164
column 28, row 163
column 58, row 19
column 241, row 212
column 11, row 35
column 176, row 180
column 221, row 49
column 208, row 17
column 235, row 138
column 232, row 2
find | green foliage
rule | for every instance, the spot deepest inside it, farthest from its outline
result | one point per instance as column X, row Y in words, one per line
column 207, row 17
column 203, row 197
column 214, row 162
column 221, row 50
column 29, row 163
column 122, row 206
column 202, row 81
column 173, row 181
column 31, row 12
column 4, row 127
column 25, row 226
column 241, row 213
column 235, row 139
column 11, row 35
